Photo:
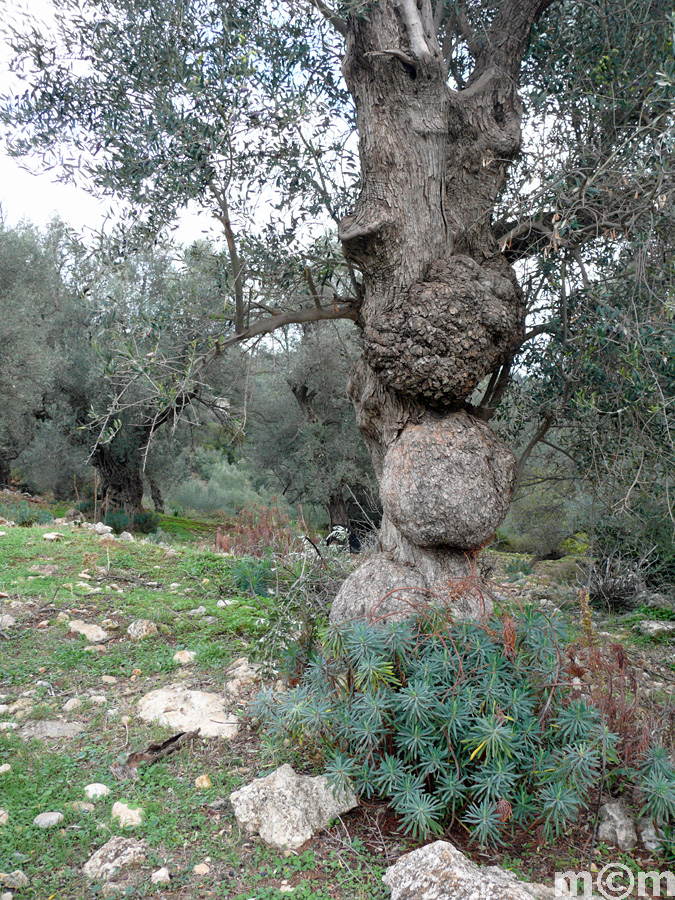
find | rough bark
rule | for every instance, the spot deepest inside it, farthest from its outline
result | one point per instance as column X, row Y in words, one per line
column 337, row 510
column 5, row 473
column 119, row 468
column 156, row 494
column 441, row 308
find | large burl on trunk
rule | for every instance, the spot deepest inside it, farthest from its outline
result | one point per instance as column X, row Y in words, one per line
column 441, row 308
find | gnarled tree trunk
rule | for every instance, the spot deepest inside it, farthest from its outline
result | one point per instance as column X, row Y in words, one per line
column 441, row 308
column 119, row 467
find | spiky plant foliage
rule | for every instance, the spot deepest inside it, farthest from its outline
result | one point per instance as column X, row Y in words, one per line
column 459, row 720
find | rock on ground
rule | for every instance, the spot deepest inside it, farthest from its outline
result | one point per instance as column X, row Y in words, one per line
column 126, row 816
column 142, row 628
column 184, row 710
column 96, row 790
column 100, row 528
column 51, row 730
column 440, row 871
column 119, row 853
column 287, row 809
column 161, row 876
column 650, row 839
column 656, row 628
column 7, row 621
column 617, row 827
column 241, row 674
column 93, row 633
column 48, row 819
column 15, row 879
column 184, row 657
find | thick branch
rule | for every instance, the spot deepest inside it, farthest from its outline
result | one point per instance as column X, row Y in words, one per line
column 507, row 37
column 235, row 260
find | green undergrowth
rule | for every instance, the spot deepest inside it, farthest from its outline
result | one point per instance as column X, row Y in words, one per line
column 472, row 722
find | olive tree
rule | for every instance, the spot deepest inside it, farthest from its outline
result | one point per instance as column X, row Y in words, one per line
column 242, row 105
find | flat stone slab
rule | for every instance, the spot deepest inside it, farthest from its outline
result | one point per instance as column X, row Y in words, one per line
column 287, row 809
column 46, row 729
column 184, row 710
column 440, row 871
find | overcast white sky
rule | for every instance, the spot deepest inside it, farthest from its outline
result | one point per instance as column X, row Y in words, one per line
column 38, row 197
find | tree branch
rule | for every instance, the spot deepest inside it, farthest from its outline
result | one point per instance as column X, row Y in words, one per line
column 336, row 21
column 507, row 37
column 237, row 268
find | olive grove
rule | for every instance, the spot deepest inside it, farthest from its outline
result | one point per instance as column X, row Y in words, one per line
column 462, row 258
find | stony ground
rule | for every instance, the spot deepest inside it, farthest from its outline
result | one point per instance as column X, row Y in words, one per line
column 69, row 718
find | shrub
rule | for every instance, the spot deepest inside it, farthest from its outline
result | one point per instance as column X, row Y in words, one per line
column 118, row 520
column 145, row 521
column 25, row 515
column 460, row 721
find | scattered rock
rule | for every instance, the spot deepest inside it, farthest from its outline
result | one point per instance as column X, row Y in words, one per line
column 52, row 536
column 7, row 895
column 161, row 876
column 24, row 705
column 126, row 536
column 223, row 602
column 106, row 537
column 7, row 621
column 142, row 628
column 201, row 869
column 4, row 768
column 100, row 699
column 203, row 782
column 616, row 826
column 119, row 853
column 8, row 726
column 241, row 674
column 650, row 839
column 196, row 613
column 4, row 816
column 656, row 628
column 96, row 790
column 440, row 871
column 93, row 633
column 73, row 515
column 108, row 679
column 51, row 729
column 100, row 528
column 48, row 819
column 184, row 657
column 184, row 710
column 73, row 703
column 82, row 806
column 127, row 817
column 15, row 879
column 4, row 708
column 286, row 809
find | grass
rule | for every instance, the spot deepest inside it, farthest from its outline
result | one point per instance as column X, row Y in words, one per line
column 47, row 585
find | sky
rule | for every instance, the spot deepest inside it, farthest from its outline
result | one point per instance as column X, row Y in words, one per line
column 38, row 197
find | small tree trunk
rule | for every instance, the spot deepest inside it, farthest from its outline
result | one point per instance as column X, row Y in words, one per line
column 156, row 494
column 119, row 468
column 5, row 472
column 441, row 308
column 337, row 511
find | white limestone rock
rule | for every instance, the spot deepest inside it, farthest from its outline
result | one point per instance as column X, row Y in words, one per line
column 7, row 621
column 161, row 876
column 118, row 854
column 127, row 816
column 287, row 809
column 184, row 657
column 440, row 871
column 617, row 827
column 184, row 710
column 142, row 628
column 96, row 790
column 100, row 528
column 48, row 819
column 93, row 633
column 241, row 674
